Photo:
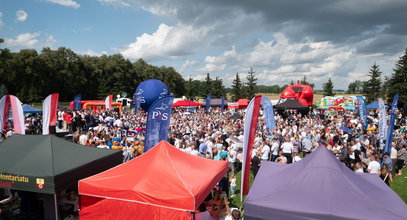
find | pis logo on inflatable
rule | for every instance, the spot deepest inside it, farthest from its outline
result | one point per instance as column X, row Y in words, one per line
column 149, row 91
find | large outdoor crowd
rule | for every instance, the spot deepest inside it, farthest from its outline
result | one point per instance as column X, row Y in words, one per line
column 218, row 135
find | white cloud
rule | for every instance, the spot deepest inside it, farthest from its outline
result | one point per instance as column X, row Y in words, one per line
column 21, row 15
column 188, row 64
column 50, row 41
column 116, row 3
column 168, row 42
column 1, row 21
column 68, row 3
column 23, row 40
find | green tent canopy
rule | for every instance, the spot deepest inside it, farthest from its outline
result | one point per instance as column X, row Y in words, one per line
column 48, row 164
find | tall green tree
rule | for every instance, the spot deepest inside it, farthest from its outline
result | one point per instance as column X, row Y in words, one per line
column 292, row 82
column 398, row 81
column 328, row 88
column 305, row 82
column 3, row 90
column 251, row 84
column 208, row 85
column 218, row 89
column 372, row 87
column 355, row 87
column 237, row 88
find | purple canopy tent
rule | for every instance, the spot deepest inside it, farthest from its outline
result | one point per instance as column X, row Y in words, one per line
column 320, row 187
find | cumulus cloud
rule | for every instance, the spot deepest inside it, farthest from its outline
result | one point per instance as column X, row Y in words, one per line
column 30, row 40
column 68, row 3
column 21, row 15
column 23, row 40
column 168, row 42
column 116, row 3
column 92, row 53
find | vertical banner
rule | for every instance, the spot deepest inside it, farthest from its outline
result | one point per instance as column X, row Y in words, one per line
column 382, row 123
column 268, row 112
column 17, row 111
column 158, row 122
column 208, row 102
column 222, row 106
column 49, row 112
column 138, row 99
column 362, row 110
column 390, row 129
column 108, row 102
column 77, row 102
column 250, row 124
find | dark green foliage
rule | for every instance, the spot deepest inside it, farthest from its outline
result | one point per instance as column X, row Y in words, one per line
column 251, row 85
column 372, row 87
column 237, row 88
column 32, row 76
column 398, row 81
column 328, row 87
column 305, row 82
column 355, row 87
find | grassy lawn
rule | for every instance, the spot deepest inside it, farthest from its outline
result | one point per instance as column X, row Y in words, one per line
column 399, row 185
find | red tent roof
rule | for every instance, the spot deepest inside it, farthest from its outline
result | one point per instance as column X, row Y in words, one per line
column 164, row 177
column 243, row 103
column 186, row 103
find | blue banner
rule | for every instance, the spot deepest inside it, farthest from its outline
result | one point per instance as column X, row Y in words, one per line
column 138, row 99
column 222, row 106
column 77, row 102
column 268, row 112
column 390, row 130
column 382, row 123
column 158, row 122
column 362, row 110
column 346, row 129
column 208, row 102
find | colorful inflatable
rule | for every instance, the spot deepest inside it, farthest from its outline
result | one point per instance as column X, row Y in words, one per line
column 338, row 103
column 303, row 93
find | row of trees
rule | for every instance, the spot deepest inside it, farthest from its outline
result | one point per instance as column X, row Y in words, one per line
column 32, row 76
column 378, row 87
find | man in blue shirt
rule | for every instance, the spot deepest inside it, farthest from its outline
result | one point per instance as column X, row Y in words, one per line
column 202, row 148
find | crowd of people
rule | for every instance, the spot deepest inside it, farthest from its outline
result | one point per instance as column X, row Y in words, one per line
column 218, row 135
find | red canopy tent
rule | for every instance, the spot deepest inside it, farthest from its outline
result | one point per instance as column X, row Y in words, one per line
column 164, row 183
column 243, row 103
column 186, row 103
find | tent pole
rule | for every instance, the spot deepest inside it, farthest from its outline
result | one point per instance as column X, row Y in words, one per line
column 56, row 207
column 193, row 217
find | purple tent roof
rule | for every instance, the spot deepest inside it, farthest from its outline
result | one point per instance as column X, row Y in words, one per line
column 320, row 187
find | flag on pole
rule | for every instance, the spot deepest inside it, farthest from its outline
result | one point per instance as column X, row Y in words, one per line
column 49, row 112
column 77, row 102
column 17, row 111
column 250, row 124
column 382, row 124
column 158, row 121
column 268, row 112
column 362, row 110
column 138, row 99
column 108, row 102
column 208, row 102
column 390, row 130
column 222, row 106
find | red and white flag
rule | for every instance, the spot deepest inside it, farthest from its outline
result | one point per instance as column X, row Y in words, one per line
column 49, row 112
column 17, row 111
column 250, row 124
column 108, row 102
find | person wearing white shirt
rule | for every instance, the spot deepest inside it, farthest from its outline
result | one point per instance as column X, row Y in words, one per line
column 194, row 151
column 265, row 151
column 275, row 147
column 374, row 166
column 287, row 149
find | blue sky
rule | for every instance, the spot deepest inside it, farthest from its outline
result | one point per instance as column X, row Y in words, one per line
column 282, row 39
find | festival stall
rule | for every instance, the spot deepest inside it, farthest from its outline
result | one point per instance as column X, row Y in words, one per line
column 164, row 183
column 217, row 103
column 320, row 187
column 30, row 110
column 47, row 164
column 291, row 104
column 186, row 103
column 243, row 103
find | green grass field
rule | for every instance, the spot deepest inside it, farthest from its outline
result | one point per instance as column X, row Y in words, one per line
column 399, row 185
